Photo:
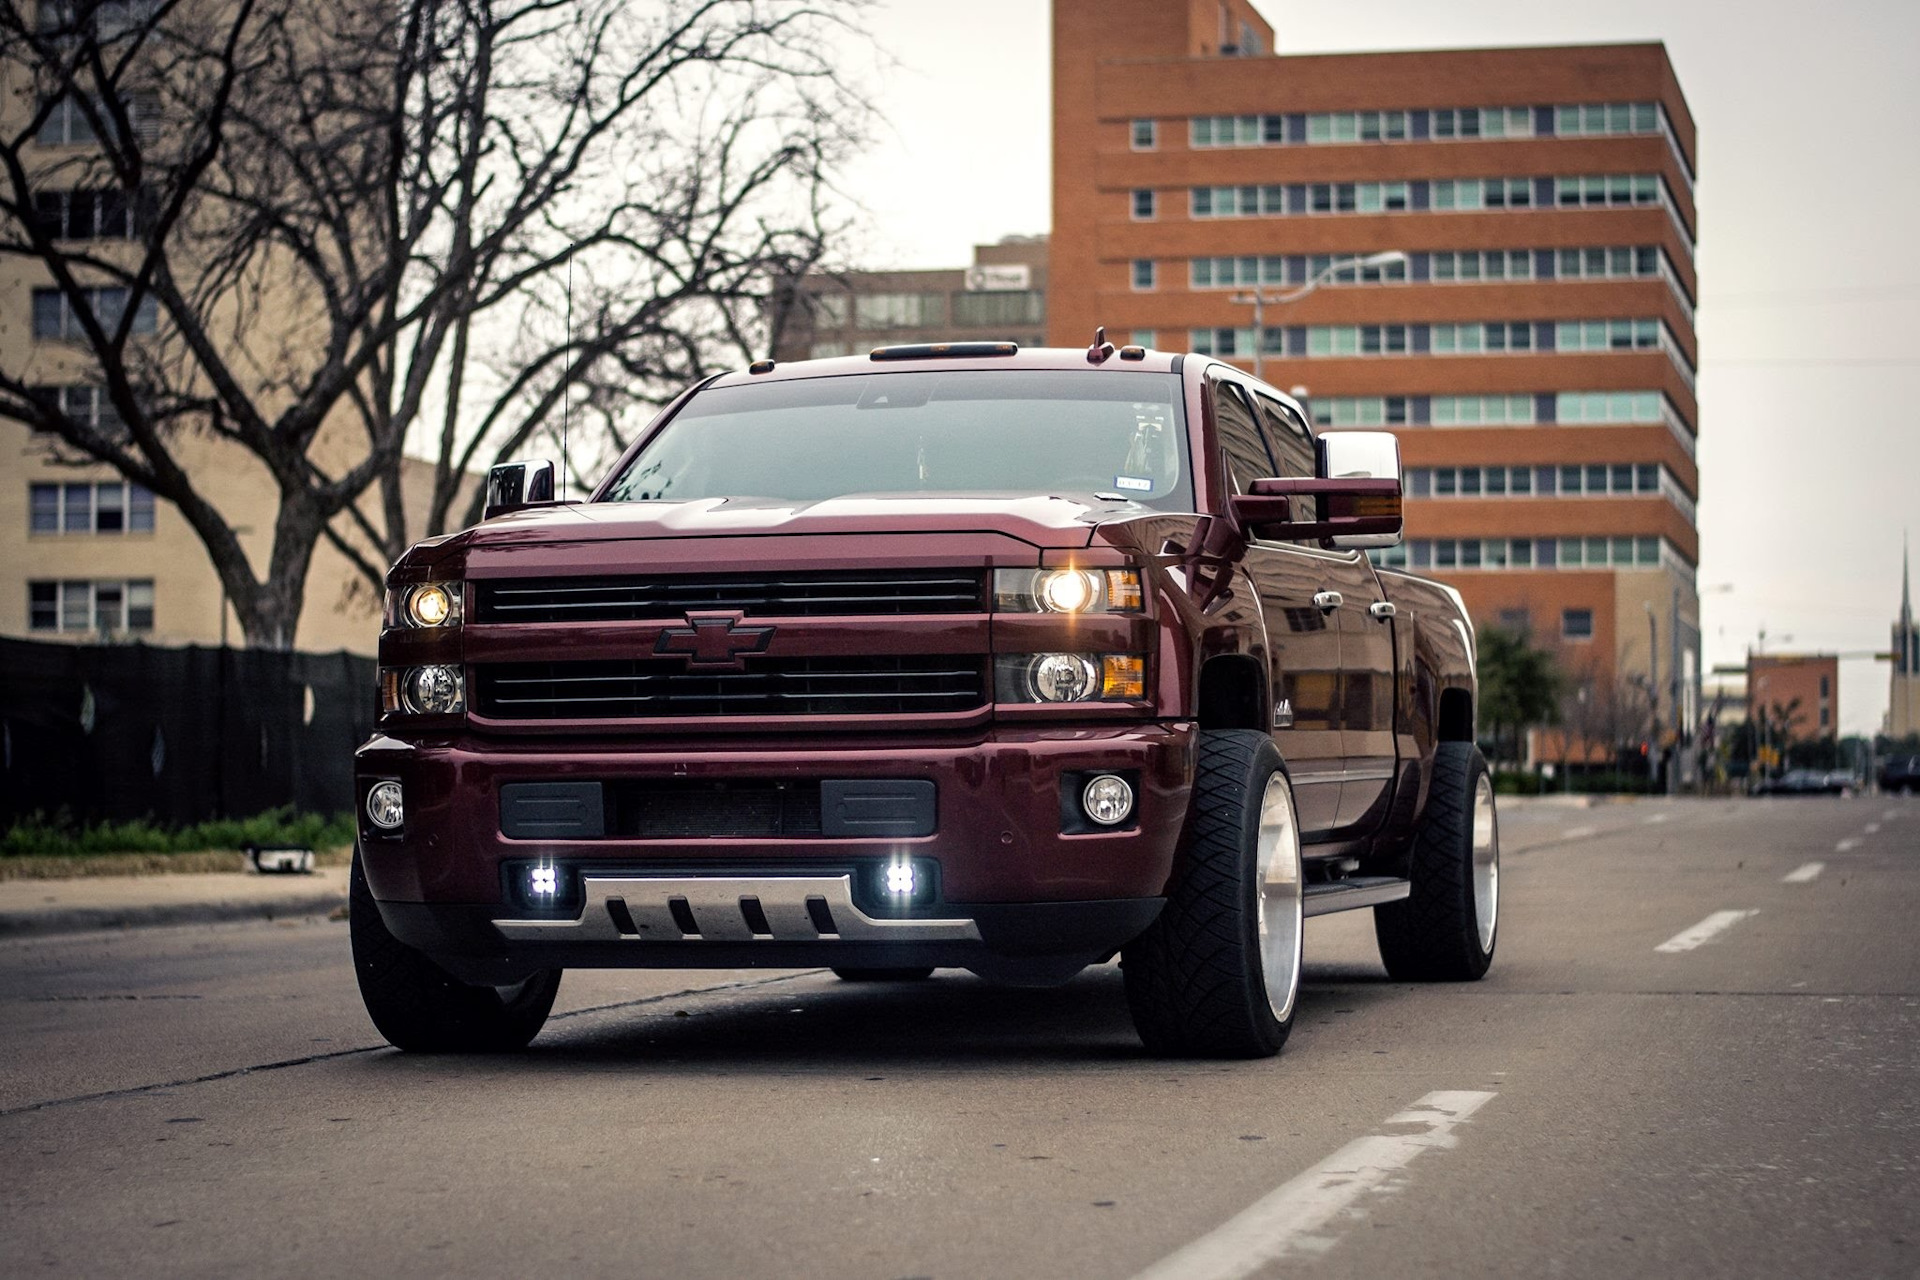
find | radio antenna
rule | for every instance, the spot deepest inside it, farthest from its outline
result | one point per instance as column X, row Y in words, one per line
column 566, row 388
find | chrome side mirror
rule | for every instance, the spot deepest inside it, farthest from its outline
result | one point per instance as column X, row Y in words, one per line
column 1366, row 455
column 513, row 485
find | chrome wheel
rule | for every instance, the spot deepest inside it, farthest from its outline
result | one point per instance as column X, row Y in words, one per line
column 1486, row 862
column 1278, row 897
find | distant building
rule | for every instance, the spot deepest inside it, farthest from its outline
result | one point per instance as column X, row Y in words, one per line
column 1799, row 692
column 1903, row 706
column 1533, row 348
column 1002, row 297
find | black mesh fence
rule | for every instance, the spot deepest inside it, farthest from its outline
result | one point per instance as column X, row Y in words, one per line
column 108, row 733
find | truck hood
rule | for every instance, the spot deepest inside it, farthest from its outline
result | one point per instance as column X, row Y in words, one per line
column 1039, row 521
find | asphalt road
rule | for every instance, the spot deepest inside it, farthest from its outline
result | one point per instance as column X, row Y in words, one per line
column 1694, row 1055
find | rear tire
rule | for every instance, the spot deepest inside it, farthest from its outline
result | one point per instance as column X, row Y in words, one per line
column 1218, row 973
column 420, row 1007
column 848, row 973
column 1445, row 930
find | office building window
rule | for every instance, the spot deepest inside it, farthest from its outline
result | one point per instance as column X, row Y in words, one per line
column 1483, row 193
column 1481, row 264
column 1478, row 339
column 1606, row 335
column 1474, row 411
column 1235, row 342
column 1233, row 131
column 1145, row 135
column 1359, row 411
column 82, row 605
column 1607, row 190
column 1357, row 126
column 1143, row 273
column 1482, row 122
column 900, row 310
column 1144, row 337
column 92, row 215
column 1237, row 202
column 1609, row 262
column 54, row 315
column 87, row 407
column 1608, row 406
column 1143, row 204
column 1576, row 624
column 1357, row 340
column 1000, row 307
column 1596, row 119
column 67, row 125
column 827, row 350
column 111, row 506
column 829, row 310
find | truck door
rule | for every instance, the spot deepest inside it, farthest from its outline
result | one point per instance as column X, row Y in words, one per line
column 1303, row 639
column 1366, row 643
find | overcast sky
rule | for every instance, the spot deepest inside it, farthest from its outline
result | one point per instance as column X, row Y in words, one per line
column 1809, row 193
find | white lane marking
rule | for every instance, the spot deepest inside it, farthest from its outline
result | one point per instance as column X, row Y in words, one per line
column 1800, row 875
column 1704, row 932
column 1577, row 833
column 1652, row 818
column 1873, row 828
column 1846, row 846
column 1289, row 1218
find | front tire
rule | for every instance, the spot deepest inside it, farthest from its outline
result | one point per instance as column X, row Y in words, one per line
column 1218, row 973
column 1445, row 930
column 420, row 1007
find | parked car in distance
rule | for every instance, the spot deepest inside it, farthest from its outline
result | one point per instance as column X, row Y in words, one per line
column 1900, row 774
column 1804, row 782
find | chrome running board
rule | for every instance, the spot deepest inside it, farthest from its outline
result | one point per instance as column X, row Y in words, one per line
column 1354, row 893
column 729, row 909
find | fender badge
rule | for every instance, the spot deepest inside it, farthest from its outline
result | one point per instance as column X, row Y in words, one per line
column 1283, row 714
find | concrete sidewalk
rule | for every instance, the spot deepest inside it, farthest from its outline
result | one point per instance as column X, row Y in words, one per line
column 124, row 902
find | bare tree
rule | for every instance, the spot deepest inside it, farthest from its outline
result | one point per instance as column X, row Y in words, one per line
column 346, row 229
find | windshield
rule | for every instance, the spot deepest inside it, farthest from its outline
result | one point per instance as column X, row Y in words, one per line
column 1001, row 432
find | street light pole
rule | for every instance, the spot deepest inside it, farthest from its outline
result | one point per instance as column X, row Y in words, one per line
column 1260, row 301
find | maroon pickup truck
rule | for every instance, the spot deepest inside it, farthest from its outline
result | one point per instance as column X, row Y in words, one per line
column 947, row 656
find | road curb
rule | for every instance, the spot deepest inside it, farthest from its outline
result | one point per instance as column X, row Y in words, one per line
column 56, row 920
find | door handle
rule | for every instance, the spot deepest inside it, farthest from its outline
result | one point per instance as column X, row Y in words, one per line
column 1327, row 601
column 1382, row 609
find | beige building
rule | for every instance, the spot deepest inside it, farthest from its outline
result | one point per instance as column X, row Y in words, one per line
column 85, row 555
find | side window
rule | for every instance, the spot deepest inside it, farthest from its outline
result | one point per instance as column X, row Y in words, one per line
column 1288, row 437
column 1240, row 435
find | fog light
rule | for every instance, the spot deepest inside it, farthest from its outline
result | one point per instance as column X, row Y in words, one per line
column 1107, row 800
column 900, row 879
column 543, row 882
column 384, row 807
column 434, row 691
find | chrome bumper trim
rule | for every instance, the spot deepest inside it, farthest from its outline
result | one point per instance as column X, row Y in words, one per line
column 794, row 909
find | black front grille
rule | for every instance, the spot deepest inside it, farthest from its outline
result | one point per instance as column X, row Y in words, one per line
column 644, row 688
column 667, row 810
column 635, row 597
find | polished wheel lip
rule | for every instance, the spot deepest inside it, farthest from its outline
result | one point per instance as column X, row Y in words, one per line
column 1486, row 862
column 1278, row 897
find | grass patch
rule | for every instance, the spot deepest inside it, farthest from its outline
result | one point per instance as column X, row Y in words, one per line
column 40, row 837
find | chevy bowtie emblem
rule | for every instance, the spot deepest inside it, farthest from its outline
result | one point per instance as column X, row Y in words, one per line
column 715, row 641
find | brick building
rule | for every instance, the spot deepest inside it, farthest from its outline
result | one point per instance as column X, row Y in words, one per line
column 1534, row 352
column 1799, row 692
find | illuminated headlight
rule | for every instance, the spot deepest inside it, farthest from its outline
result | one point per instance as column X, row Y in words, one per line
column 1107, row 800
column 1070, row 677
column 1066, row 590
column 422, row 691
column 430, row 604
column 384, row 808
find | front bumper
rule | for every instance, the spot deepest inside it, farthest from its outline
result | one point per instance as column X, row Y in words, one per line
column 1015, row 877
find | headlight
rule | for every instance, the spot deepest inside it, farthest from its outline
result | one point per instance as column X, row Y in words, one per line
column 1070, row 677
column 1066, row 590
column 422, row 691
column 429, row 604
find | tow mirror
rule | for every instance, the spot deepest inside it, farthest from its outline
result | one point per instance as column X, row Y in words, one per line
column 513, row 485
column 1356, row 498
